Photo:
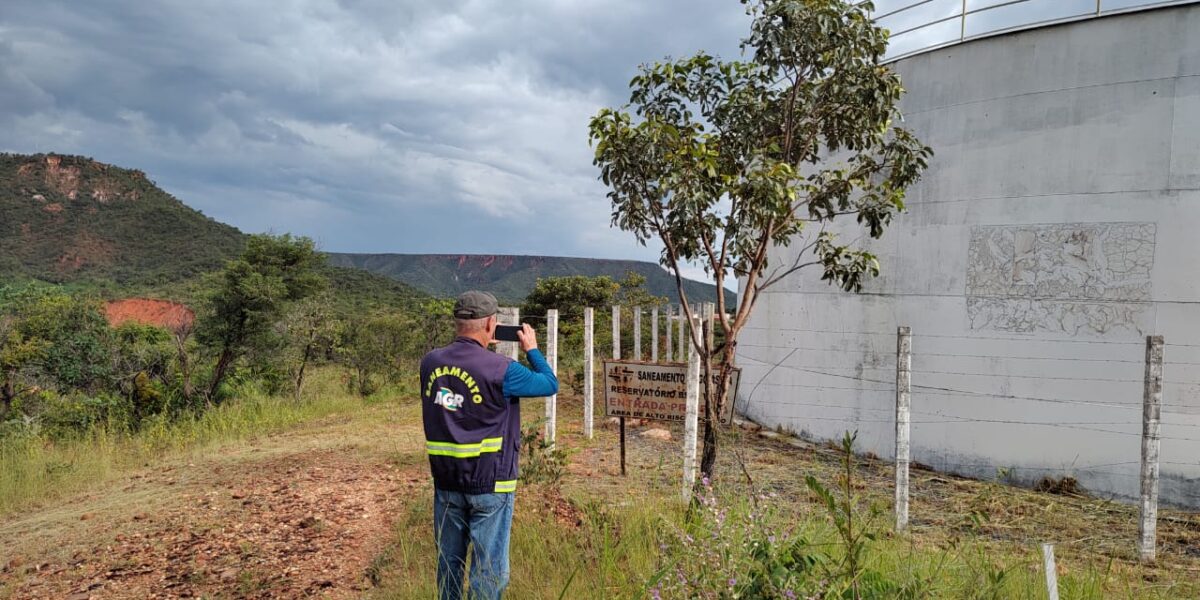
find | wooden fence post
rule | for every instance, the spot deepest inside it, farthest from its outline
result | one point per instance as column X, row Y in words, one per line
column 1051, row 571
column 654, row 334
column 552, row 358
column 1151, row 425
column 903, row 401
column 508, row 315
column 691, row 421
column 589, row 370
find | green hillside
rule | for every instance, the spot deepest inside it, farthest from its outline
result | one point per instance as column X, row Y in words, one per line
column 76, row 221
column 89, row 225
column 70, row 218
column 512, row 277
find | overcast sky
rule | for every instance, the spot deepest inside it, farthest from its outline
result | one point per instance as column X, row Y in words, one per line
column 369, row 125
column 456, row 126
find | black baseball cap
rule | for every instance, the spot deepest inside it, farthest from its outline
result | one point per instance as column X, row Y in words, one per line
column 474, row 305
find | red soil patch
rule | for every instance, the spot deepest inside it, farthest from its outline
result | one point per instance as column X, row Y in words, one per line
column 159, row 313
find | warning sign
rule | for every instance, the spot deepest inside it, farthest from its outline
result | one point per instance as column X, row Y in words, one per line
column 658, row 391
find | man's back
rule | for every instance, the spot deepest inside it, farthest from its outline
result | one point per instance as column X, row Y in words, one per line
column 472, row 430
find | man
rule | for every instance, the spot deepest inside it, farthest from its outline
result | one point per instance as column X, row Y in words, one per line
column 469, row 402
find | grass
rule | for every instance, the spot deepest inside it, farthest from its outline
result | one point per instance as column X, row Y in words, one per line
column 969, row 539
column 596, row 534
column 35, row 470
column 619, row 552
column 593, row 554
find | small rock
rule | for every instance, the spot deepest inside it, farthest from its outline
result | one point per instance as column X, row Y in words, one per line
column 239, row 495
column 657, row 434
column 87, row 516
column 228, row 575
column 748, row 425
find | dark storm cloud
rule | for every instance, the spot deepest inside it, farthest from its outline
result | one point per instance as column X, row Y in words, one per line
column 370, row 125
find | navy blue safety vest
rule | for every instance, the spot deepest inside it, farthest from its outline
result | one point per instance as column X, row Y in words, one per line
column 472, row 432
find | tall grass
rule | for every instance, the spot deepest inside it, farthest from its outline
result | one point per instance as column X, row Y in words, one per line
column 607, row 555
column 737, row 544
column 35, row 467
column 623, row 552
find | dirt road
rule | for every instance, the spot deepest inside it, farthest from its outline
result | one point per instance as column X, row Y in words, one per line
column 295, row 515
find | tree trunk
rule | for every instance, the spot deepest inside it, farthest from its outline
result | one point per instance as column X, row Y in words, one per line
column 185, row 363
column 714, row 409
column 8, row 392
column 219, row 373
column 300, row 374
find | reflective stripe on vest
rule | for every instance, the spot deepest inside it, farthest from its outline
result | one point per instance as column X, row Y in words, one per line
column 506, row 486
column 464, row 450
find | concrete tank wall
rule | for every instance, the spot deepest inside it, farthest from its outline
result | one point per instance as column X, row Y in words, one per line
column 1057, row 226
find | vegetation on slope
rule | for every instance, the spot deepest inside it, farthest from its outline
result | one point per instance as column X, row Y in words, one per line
column 70, row 218
column 510, row 277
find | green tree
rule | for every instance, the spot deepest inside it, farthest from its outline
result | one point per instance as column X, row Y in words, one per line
column 310, row 332
column 17, row 355
column 632, row 291
column 433, row 327
column 375, row 346
column 251, row 295
column 76, row 338
column 721, row 160
column 143, row 357
column 570, row 295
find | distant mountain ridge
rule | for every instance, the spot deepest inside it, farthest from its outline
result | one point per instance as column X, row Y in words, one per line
column 511, row 277
column 67, row 219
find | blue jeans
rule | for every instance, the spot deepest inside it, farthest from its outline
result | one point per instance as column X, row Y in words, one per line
column 485, row 521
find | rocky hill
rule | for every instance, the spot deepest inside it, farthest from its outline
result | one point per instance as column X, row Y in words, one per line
column 70, row 218
column 73, row 219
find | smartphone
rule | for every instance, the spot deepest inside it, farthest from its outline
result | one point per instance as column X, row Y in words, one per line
column 507, row 333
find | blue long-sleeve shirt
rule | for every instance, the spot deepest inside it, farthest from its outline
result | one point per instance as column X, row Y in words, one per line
column 522, row 382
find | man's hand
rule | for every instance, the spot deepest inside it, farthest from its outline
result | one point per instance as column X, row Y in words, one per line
column 527, row 337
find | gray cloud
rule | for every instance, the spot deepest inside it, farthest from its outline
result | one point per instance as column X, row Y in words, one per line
column 370, row 125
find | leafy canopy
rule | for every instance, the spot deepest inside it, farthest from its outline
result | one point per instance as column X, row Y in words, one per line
column 720, row 160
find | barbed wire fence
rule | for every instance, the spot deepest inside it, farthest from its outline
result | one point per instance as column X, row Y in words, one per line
column 928, row 392
column 904, row 379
